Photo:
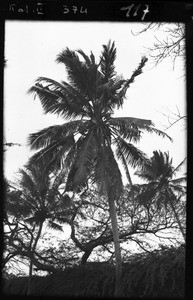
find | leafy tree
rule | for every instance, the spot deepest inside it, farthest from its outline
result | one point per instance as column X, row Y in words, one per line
column 91, row 236
column 91, row 229
column 162, row 188
column 92, row 140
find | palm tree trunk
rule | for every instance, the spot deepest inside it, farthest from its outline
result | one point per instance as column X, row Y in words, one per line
column 31, row 264
column 118, row 281
column 127, row 172
column 29, row 278
column 128, row 177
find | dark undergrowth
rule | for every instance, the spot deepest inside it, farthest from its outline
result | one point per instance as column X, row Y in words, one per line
column 159, row 274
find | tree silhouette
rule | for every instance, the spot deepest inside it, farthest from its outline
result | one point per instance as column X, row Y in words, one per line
column 162, row 188
column 36, row 200
column 84, row 145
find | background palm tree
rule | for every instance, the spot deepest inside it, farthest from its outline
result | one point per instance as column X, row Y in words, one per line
column 37, row 201
column 91, row 140
column 162, row 188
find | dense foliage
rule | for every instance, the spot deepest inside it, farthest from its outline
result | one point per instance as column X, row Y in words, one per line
column 89, row 226
column 157, row 274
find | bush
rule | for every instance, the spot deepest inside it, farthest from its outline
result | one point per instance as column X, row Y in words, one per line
column 158, row 274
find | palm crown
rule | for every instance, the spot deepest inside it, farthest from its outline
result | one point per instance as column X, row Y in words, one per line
column 162, row 188
column 38, row 199
column 90, row 141
column 159, row 174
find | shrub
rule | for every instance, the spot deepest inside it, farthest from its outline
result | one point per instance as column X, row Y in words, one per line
column 158, row 274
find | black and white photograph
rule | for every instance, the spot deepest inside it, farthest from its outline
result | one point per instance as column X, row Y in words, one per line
column 94, row 157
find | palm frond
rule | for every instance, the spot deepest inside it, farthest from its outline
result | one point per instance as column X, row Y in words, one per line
column 79, row 102
column 144, row 174
column 107, row 59
column 147, row 193
column 84, row 158
column 80, row 76
column 58, row 180
column 106, row 172
column 161, row 165
column 17, row 206
column 107, row 93
column 54, row 226
column 116, row 186
column 70, row 95
column 101, row 175
column 53, row 155
column 70, row 157
column 62, row 219
column 128, row 128
column 70, row 178
column 125, row 166
column 162, row 189
column 179, row 180
column 179, row 167
column 156, row 131
column 57, row 100
column 33, row 184
column 137, row 72
column 27, row 180
column 114, row 101
column 133, row 155
column 159, row 168
column 169, row 196
column 133, row 121
column 89, row 62
column 141, row 124
column 46, row 136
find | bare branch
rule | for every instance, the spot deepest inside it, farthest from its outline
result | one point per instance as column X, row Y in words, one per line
column 172, row 46
column 173, row 118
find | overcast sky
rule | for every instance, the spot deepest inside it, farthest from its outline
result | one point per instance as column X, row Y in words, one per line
column 31, row 48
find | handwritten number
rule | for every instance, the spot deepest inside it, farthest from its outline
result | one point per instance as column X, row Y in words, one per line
column 128, row 8
column 83, row 11
column 74, row 8
column 138, row 6
column 66, row 10
column 145, row 11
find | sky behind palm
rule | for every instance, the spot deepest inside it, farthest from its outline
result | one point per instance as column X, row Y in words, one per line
column 31, row 48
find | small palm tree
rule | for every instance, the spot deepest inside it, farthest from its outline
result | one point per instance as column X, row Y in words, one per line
column 37, row 201
column 162, row 188
column 91, row 141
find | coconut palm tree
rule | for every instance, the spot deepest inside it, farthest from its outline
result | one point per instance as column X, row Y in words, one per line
column 161, row 186
column 36, row 201
column 90, row 141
